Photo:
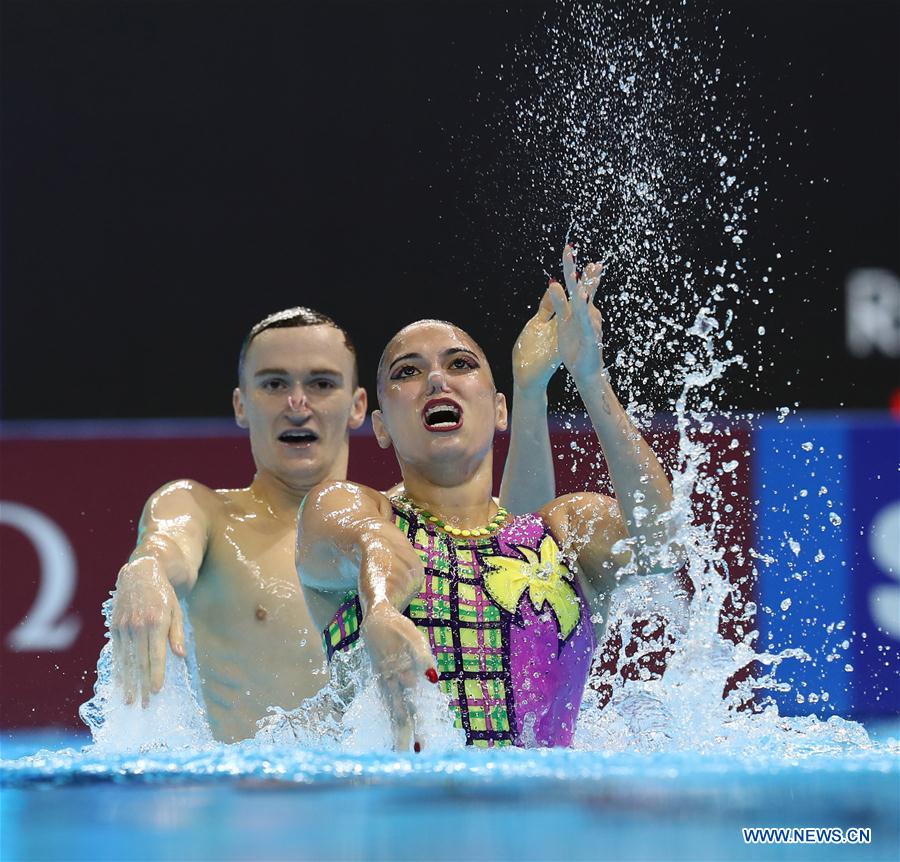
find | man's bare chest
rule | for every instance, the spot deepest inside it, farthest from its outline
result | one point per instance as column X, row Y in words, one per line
column 250, row 573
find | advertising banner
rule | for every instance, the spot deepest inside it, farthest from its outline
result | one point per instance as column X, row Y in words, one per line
column 826, row 548
column 71, row 496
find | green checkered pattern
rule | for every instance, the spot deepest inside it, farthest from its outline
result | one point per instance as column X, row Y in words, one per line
column 467, row 631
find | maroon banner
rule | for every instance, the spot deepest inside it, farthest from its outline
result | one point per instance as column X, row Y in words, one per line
column 71, row 500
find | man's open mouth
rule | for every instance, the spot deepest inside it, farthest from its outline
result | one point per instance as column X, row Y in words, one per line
column 298, row 436
column 442, row 414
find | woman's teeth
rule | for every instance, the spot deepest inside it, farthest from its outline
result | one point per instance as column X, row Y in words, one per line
column 441, row 416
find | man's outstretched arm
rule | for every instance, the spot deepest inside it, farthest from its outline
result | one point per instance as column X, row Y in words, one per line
column 172, row 541
column 346, row 540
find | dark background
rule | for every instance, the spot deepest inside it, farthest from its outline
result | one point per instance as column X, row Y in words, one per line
column 174, row 171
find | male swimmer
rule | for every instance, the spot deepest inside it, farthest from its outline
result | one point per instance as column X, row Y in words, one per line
column 230, row 553
column 504, row 611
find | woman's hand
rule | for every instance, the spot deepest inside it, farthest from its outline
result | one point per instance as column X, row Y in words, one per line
column 400, row 657
column 390, row 576
column 535, row 353
column 578, row 321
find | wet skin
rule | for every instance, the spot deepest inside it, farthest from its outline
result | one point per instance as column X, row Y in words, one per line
column 256, row 645
column 230, row 553
column 439, row 411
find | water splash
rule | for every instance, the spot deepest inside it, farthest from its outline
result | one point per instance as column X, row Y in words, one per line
column 624, row 131
column 175, row 718
column 684, row 708
column 623, row 135
column 347, row 714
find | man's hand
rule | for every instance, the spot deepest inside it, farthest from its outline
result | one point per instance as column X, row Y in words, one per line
column 145, row 615
column 535, row 353
column 400, row 657
column 579, row 324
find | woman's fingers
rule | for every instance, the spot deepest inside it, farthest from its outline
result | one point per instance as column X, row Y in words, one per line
column 570, row 273
column 398, row 690
column 424, row 659
column 422, row 666
column 403, row 715
column 558, row 300
column 596, row 320
column 401, row 657
column 592, row 279
column 580, row 302
column 545, row 309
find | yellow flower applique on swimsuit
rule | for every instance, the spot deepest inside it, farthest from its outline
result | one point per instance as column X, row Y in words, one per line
column 543, row 574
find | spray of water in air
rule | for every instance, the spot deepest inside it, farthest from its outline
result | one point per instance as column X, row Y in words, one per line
column 625, row 137
column 620, row 132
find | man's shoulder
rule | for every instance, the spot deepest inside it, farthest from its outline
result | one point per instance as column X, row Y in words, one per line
column 342, row 495
column 185, row 496
column 345, row 487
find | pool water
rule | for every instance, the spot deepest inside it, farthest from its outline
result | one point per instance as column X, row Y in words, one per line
column 268, row 802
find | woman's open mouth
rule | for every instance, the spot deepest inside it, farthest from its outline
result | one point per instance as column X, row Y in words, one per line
column 442, row 414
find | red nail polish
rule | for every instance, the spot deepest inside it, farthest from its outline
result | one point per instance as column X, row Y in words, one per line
column 431, row 675
column 417, row 746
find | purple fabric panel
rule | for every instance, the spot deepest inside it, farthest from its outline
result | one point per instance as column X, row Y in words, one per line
column 548, row 682
column 525, row 530
column 575, row 657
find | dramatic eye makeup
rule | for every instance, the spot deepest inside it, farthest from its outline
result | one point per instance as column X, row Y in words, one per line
column 404, row 371
column 467, row 360
column 456, row 359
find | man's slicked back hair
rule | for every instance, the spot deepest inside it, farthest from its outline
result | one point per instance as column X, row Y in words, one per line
column 292, row 317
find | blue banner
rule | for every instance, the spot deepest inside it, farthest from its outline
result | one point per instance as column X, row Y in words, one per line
column 827, row 583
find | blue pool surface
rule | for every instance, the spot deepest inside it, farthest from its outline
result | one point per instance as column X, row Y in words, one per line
column 237, row 803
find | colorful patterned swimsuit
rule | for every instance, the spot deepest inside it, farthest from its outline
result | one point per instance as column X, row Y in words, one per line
column 508, row 625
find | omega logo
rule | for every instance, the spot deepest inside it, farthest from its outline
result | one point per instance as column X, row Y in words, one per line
column 45, row 627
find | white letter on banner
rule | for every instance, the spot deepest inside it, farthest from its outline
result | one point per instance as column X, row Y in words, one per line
column 873, row 312
column 884, row 544
column 43, row 627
